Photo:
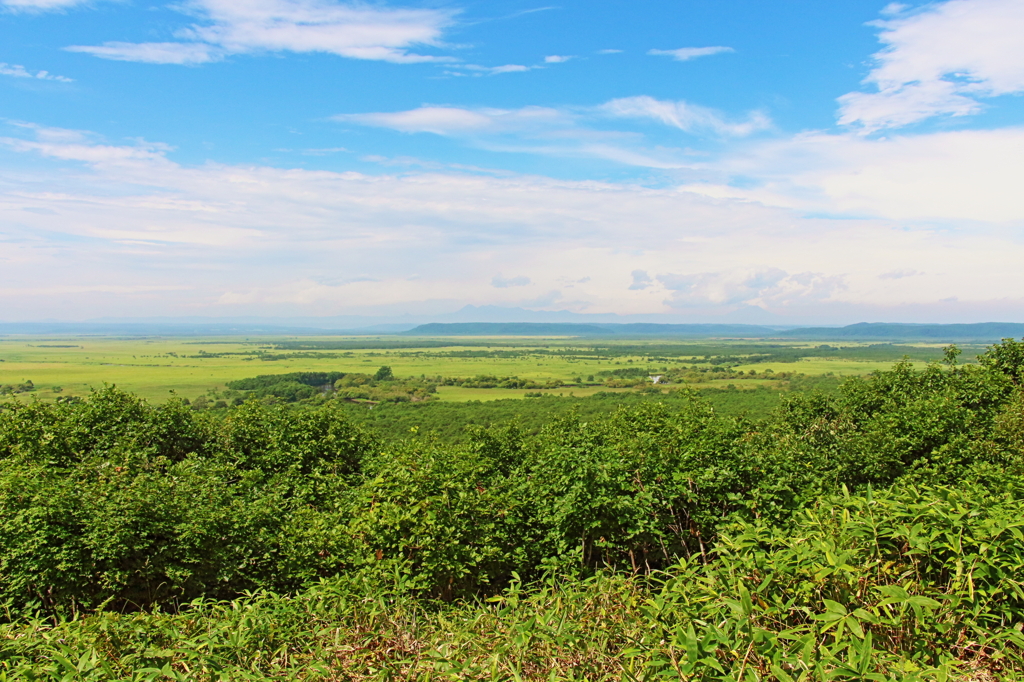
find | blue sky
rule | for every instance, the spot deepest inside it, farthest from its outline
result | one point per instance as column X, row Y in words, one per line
column 806, row 162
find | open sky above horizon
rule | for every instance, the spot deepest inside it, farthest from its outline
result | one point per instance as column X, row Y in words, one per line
column 806, row 161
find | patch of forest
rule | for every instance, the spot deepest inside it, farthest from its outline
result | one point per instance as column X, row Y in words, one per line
column 394, row 407
column 872, row 532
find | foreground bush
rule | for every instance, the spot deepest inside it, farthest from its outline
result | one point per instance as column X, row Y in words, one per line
column 871, row 532
column 112, row 501
column 922, row 584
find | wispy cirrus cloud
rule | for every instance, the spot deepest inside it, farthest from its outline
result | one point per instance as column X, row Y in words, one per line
column 568, row 131
column 19, row 71
column 437, row 238
column 685, row 116
column 767, row 288
column 76, row 145
column 347, row 29
column 462, row 122
column 939, row 60
column 478, row 70
column 685, row 54
column 495, row 70
column 33, row 6
column 187, row 54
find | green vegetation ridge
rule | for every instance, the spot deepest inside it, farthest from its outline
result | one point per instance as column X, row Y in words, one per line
column 871, row 533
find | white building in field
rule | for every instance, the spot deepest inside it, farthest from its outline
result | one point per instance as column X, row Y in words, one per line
column 656, row 378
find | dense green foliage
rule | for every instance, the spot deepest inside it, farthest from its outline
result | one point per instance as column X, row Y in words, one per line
column 109, row 500
column 869, row 533
column 12, row 389
column 919, row 584
column 290, row 387
column 314, row 379
column 492, row 381
column 381, row 386
column 454, row 422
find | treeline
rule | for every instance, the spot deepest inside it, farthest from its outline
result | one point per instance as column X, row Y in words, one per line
column 492, row 381
column 628, row 377
column 267, row 381
column 382, row 386
column 873, row 533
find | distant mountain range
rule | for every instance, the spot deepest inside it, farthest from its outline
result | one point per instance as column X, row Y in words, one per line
column 864, row 331
column 891, row 331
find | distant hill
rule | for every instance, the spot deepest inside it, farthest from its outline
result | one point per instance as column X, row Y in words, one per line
column 986, row 332
column 863, row 331
column 887, row 331
column 575, row 329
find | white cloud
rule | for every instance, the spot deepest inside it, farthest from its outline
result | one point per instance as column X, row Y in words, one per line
column 353, row 30
column 457, row 121
column 574, row 132
column 641, row 280
column 74, row 145
column 40, row 5
column 153, row 53
column 530, row 130
column 610, row 51
column 767, row 288
column 477, row 70
column 495, row 70
column 18, row 71
column 548, row 121
column 557, row 58
column 685, row 116
column 261, row 240
column 939, row 61
column 894, row 8
column 966, row 176
column 684, row 54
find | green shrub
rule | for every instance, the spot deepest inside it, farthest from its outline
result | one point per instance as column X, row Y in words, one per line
column 110, row 500
column 867, row 533
column 918, row 583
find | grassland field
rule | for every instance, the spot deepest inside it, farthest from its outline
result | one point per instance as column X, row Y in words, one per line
column 154, row 367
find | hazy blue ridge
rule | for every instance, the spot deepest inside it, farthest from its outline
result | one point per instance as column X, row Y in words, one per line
column 863, row 331
column 879, row 331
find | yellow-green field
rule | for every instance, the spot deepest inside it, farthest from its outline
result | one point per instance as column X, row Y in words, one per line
column 153, row 367
column 839, row 367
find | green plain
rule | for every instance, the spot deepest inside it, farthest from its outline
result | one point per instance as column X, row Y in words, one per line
column 154, row 367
